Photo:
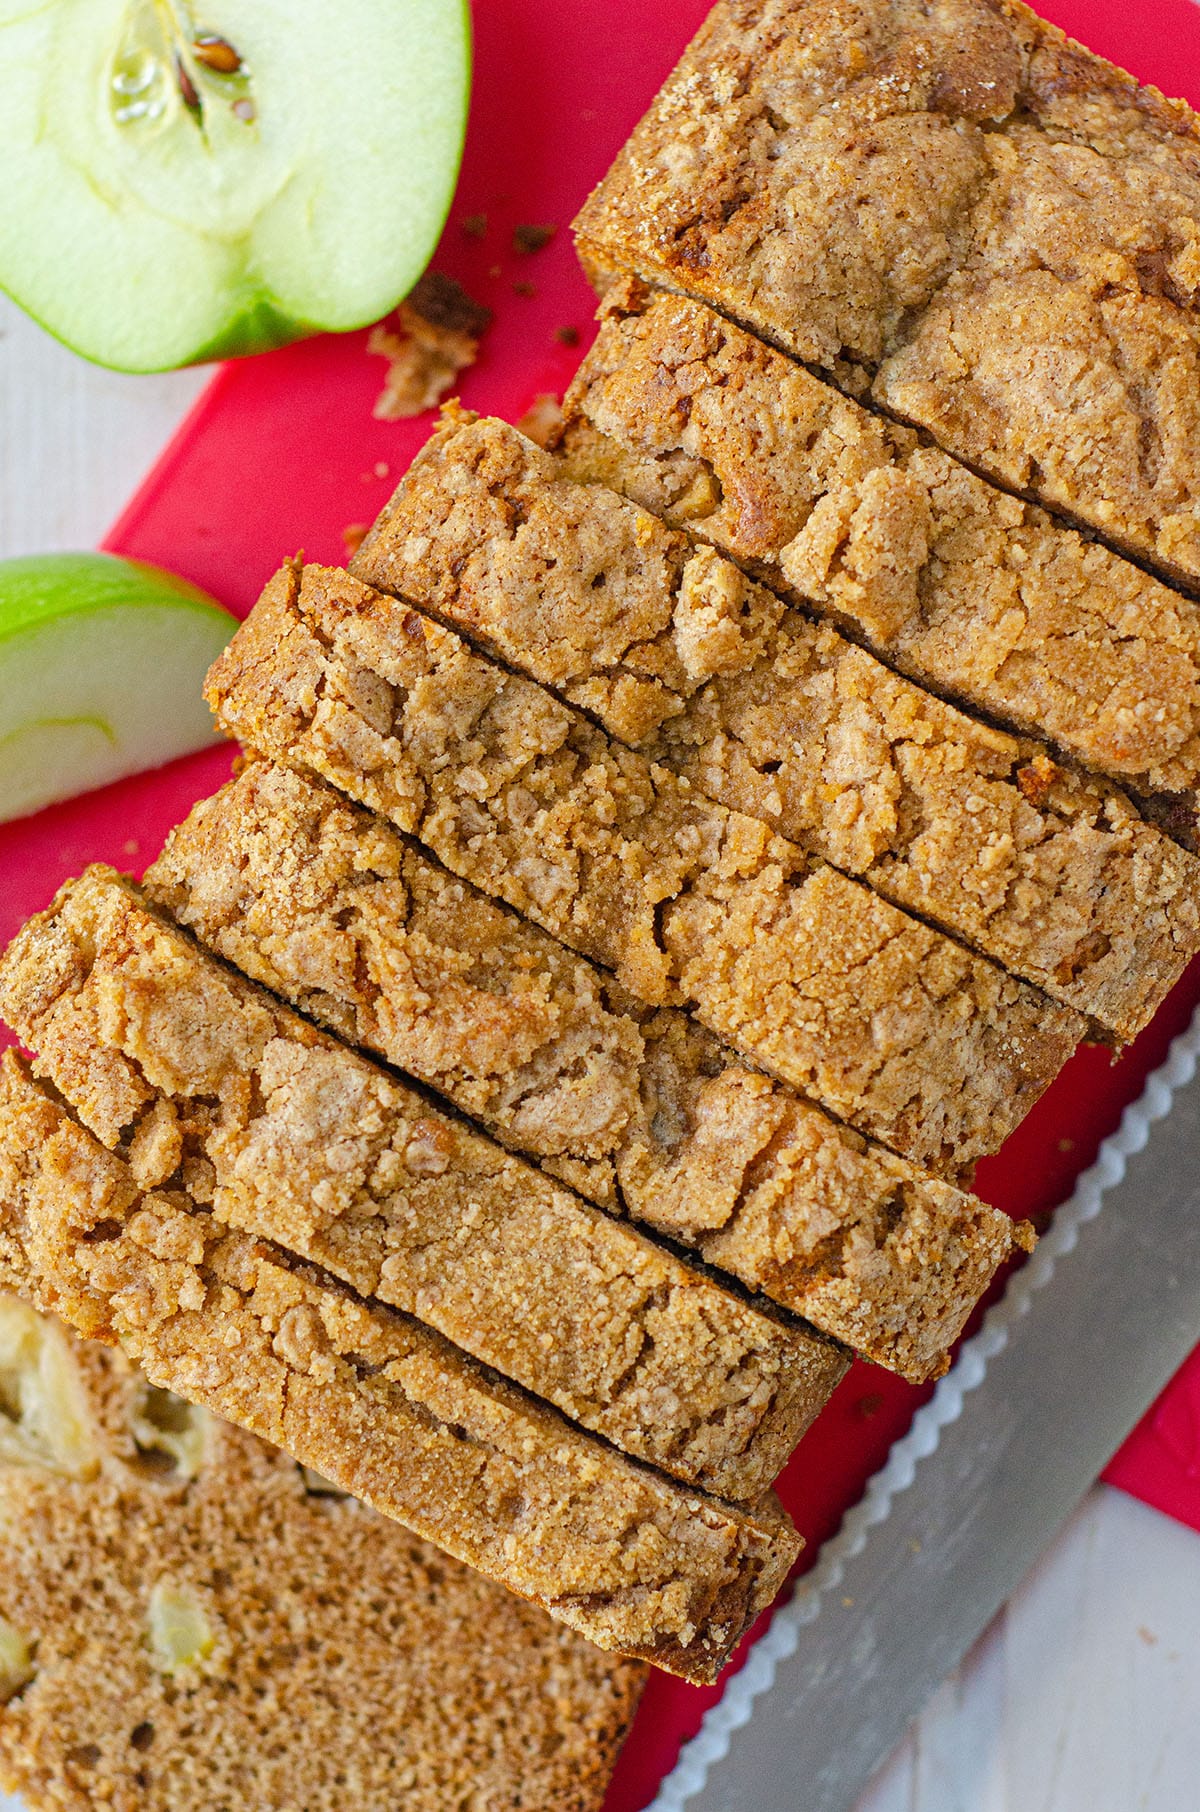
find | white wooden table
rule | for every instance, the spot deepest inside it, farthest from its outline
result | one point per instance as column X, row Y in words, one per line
column 1084, row 1696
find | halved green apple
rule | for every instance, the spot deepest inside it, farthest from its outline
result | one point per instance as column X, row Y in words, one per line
column 193, row 179
column 101, row 666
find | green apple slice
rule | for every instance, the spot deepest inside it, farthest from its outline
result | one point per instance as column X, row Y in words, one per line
column 101, row 666
column 193, row 179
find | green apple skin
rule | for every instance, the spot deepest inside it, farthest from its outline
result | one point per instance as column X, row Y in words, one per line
column 191, row 234
column 101, row 666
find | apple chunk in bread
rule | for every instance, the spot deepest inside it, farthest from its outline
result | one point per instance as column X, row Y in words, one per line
column 43, row 1415
column 187, row 181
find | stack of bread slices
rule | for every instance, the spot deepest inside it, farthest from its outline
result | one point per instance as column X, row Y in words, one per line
column 672, row 856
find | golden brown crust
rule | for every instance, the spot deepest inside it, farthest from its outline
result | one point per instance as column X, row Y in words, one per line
column 337, row 1652
column 196, row 1074
column 642, row 1110
column 372, row 1400
column 956, row 201
column 887, row 1022
column 972, row 592
column 681, row 655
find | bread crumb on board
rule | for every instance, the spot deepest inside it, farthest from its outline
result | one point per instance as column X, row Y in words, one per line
column 542, row 420
column 528, row 239
column 433, row 336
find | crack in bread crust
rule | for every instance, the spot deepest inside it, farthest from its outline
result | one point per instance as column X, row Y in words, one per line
column 808, row 973
column 327, row 906
column 1048, row 873
column 374, row 1401
column 967, row 590
column 954, row 205
column 293, row 1137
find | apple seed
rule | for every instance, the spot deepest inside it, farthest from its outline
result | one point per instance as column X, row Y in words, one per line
column 216, row 53
column 187, row 89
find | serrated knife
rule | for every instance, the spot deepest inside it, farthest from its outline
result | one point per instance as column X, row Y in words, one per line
column 1086, row 1337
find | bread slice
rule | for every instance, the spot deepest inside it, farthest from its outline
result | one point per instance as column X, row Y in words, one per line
column 201, row 1076
column 980, row 596
column 375, row 1402
column 189, row 1620
column 1051, row 874
column 886, row 1022
column 957, row 206
column 641, row 1108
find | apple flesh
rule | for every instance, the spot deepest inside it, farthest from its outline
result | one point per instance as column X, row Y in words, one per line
column 101, row 666
column 194, row 181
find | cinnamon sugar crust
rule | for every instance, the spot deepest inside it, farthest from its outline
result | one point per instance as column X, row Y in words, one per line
column 374, row 1402
column 957, row 206
column 973, row 593
column 292, row 1137
column 680, row 654
column 888, row 1023
column 641, row 1109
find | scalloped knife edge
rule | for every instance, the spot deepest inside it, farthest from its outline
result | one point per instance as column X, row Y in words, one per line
column 993, row 1465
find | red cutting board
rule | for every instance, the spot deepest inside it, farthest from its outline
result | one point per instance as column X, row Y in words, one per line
column 282, row 453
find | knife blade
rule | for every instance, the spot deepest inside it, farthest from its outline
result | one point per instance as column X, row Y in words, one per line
column 1085, row 1338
